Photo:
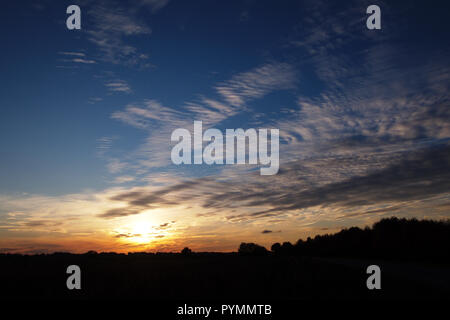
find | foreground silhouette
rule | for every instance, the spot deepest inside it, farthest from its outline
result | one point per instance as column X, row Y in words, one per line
column 417, row 267
column 393, row 238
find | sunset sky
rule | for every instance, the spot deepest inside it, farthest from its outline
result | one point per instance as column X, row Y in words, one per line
column 86, row 118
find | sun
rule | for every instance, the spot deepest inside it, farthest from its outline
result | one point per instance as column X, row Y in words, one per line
column 138, row 230
column 141, row 231
column 141, row 228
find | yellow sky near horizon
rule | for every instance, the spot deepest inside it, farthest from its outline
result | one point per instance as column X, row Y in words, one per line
column 72, row 223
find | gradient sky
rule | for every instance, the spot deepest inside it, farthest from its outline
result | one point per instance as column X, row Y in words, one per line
column 86, row 118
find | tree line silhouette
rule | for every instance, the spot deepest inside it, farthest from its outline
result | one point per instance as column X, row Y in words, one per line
column 286, row 271
column 389, row 238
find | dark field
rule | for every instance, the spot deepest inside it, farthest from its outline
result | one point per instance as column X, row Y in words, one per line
column 215, row 277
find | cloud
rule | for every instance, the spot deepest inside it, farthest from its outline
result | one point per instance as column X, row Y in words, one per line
column 127, row 235
column 94, row 100
column 355, row 126
column 377, row 102
column 210, row 111
column 160, row 121
column 165, row 226
column 417, row 176
column 77, row 54
column 414, row 176
column 243, row 16
column 112, row 25
column 257, row 83
column 46, row 215
column 329, row 27
column 150, row 113
column 365, row 135
column 42, row 223
column 116, row 166
column 124, row 179
column 118, row 86
column 76, row 57
column 154, row 5
column 85, row 61
column 120, row 212
column 104, row 144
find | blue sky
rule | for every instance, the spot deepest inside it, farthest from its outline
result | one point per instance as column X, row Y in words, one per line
column 55, row 99
column 86, row 118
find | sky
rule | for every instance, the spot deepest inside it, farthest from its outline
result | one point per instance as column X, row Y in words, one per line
column 86, row 118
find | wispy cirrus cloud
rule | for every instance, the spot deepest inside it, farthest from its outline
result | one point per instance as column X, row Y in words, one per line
column 113, row 23
column 104, row 144
column 358, row 137
column 85, row 61
column 211, row 111
column 115, row 165
column 118, row 86
column 374, row 102
column 71, row 53
column 154, row 5
column 124, row 179
column 256, row 83
column 244, row 86
column 94, row 100
column 160, row 121
column 348, row 189
column 76, row 57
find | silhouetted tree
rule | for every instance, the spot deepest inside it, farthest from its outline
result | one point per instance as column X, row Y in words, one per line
column 287, row 248
column 388, row 238
column 276, row 248
column 186, row 251
column 251, row 249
